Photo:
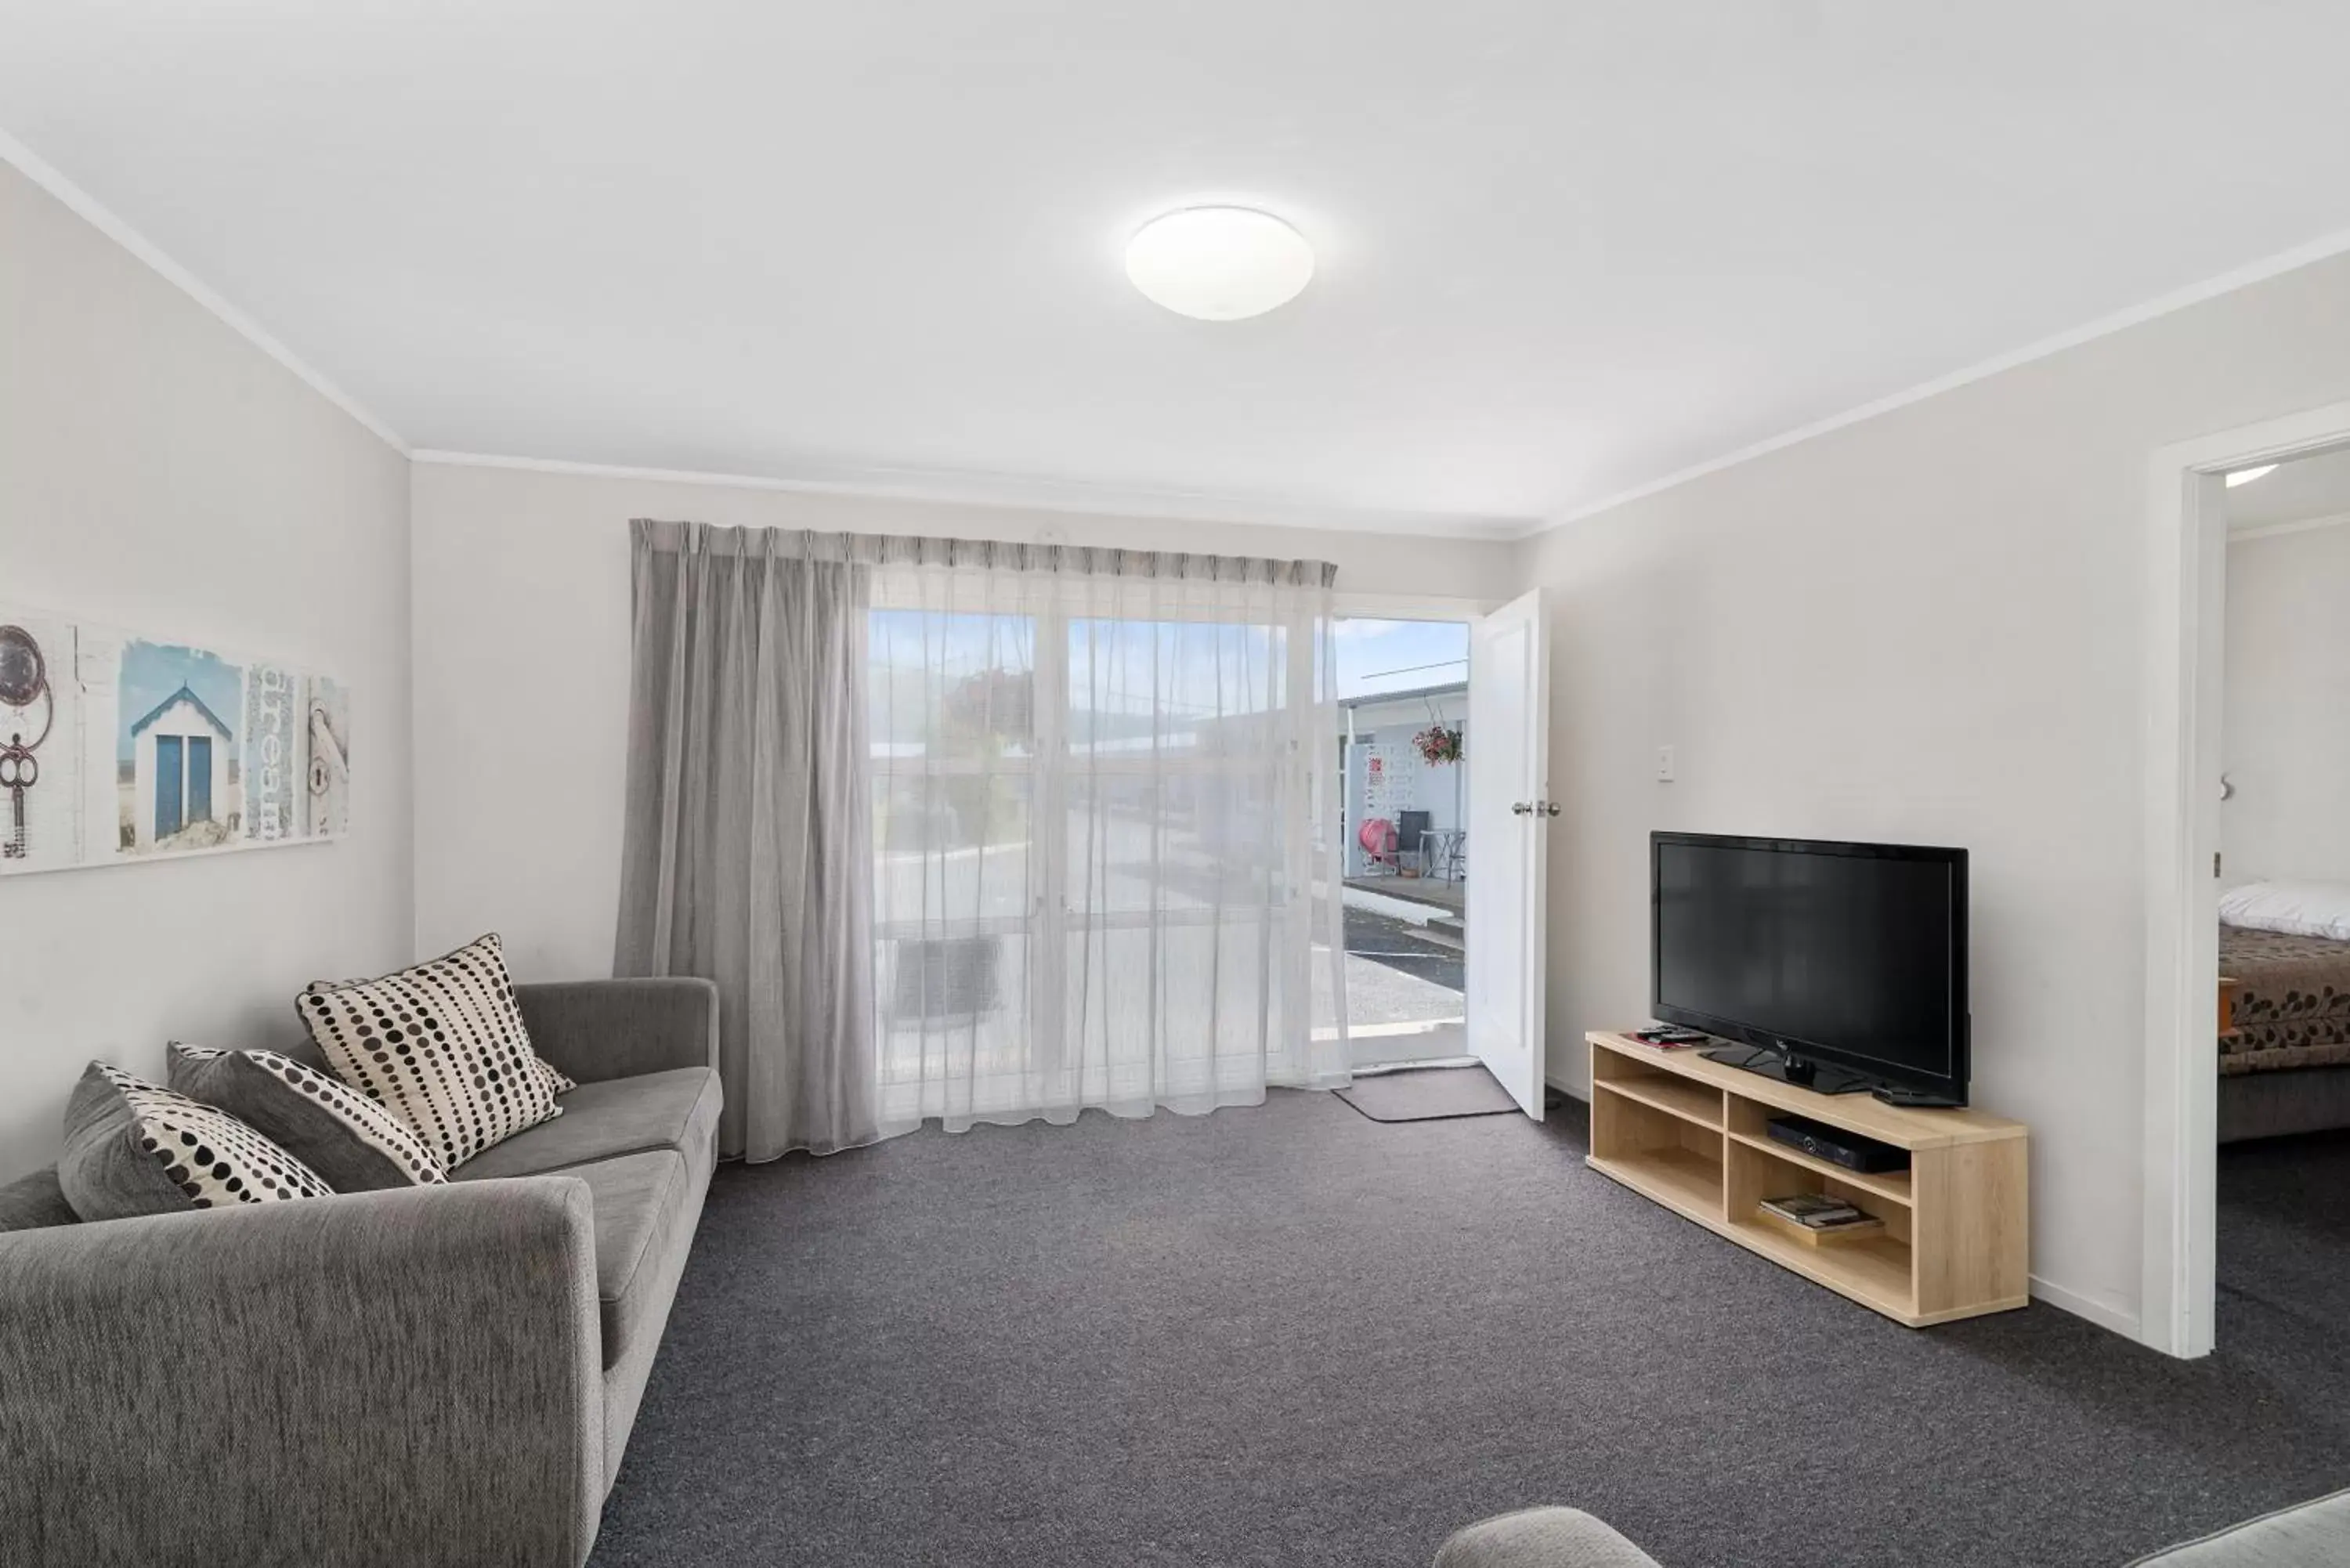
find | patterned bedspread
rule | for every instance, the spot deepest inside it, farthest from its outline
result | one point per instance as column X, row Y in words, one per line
column 2294, row 1008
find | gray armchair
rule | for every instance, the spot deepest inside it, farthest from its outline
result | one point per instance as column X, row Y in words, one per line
column 1541, row 1538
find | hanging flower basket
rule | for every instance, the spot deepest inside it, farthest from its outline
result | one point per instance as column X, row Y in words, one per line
column 1438, row 745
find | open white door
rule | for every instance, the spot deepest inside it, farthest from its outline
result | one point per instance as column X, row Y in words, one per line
column 1508, row 754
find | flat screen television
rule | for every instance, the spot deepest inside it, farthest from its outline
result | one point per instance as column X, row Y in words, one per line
column 1838, row 966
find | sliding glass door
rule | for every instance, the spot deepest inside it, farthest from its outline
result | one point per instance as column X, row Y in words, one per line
column 1101, row 858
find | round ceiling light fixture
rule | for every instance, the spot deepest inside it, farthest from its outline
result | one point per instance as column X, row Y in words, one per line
column 1219, row 263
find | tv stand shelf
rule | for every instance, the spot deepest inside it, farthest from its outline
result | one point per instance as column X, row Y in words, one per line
column 1690, row 1134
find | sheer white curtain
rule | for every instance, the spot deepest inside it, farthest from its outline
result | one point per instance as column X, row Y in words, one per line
column 1105, row 847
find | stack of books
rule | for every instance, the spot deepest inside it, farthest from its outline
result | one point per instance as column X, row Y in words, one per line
column 1815, row 1217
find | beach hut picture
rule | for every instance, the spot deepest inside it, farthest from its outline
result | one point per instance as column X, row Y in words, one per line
column 179, row 755
column 116, row 748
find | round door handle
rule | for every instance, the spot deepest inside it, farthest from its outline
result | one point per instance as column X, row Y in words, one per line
column 1547, row 807
column 1521, row 808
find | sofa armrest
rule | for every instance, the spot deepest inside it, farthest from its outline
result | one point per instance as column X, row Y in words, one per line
column 600, row 1029
column 409, row 1376
column 1541, row 1538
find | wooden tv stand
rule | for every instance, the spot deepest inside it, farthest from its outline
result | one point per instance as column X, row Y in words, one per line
column 1690, row 1134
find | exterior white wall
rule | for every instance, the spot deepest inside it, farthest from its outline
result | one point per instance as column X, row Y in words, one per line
column 522, row 669
column 159, row 473
column 1386, row 729
column 2286, row 713
column 1930, row 626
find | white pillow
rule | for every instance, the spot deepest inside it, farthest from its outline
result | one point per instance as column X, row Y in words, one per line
column 2296, row 909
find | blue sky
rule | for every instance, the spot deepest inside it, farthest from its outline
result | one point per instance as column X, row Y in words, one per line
column 153, row 671
column 1400, row 655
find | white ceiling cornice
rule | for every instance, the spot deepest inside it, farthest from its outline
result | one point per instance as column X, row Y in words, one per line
column 82, row 204
column 2283, row 262
column 971, row 489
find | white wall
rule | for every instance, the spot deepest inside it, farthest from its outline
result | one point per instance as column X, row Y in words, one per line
column 1927, row 626
column 158, row 472
column 522, row 669
column 2287, row 707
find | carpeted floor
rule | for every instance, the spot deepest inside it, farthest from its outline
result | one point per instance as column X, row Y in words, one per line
column 2284, row 1237
column 1289, row 1335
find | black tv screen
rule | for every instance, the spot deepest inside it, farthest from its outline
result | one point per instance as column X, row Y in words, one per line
column 1853, row 955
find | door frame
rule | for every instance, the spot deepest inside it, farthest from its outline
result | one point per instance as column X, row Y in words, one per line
column 2186, row 646
column 1434, row 1043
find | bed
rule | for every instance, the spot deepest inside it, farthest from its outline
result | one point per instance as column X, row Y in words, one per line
column 2285, row 1065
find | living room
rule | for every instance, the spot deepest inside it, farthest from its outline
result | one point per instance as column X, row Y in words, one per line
column 775, row 573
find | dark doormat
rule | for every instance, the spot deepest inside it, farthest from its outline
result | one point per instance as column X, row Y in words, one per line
column 1429, row 1095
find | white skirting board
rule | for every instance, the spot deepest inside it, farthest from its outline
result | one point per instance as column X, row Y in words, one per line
column 2120, row 1321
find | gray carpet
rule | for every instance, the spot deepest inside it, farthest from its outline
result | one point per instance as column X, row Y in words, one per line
column 1428, row 1094
column 1287, row 1335
column 2284, row 1232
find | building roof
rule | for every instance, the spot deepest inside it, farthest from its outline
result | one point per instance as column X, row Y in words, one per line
column 166, row 705
column 1449, row 688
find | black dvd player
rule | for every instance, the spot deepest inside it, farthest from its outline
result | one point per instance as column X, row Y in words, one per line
column 1838, row 1146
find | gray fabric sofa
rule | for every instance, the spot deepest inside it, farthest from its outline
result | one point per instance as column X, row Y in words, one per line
column 428, row 1375
column 2312, row 1535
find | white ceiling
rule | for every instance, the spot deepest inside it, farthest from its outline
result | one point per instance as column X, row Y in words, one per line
column 2302, row 491
column 1566, row 249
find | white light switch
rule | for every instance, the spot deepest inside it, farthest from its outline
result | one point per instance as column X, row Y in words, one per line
column 1664, row 764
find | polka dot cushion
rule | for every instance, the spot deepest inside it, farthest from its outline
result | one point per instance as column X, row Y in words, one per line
column 556, row 1081
column 134, row 1148
column 354, row 1143
column 441, row 1046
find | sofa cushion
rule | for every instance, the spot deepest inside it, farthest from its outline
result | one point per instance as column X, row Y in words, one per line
column 34, row 1202
column 132, row 1147
column 641, row 1219
column 354, row 1144
column 441, row 1045
column 677, row 1109
column 2309, row 1535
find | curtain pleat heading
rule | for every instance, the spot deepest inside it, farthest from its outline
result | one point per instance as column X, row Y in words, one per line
column 977, row 555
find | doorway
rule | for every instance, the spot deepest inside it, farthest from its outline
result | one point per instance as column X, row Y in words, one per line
column 1452, row 672
column 2187, row 762
column 1403, row 765
column 2282, row 1195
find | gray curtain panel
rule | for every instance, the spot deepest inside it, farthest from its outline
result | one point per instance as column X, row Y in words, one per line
column 747, row 855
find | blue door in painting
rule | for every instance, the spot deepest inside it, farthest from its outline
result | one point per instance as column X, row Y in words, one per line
column 170, row 772
column 200, row 778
